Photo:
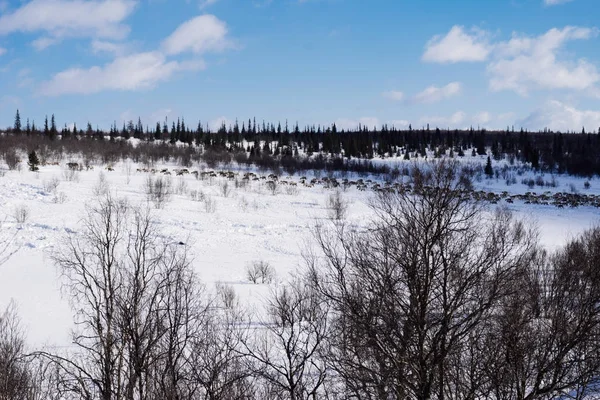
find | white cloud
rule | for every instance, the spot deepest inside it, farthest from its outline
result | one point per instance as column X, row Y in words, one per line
column 398, row 123
column 555, row 2
column 559, row 116
column 216, row 123
column 160, row 115
column 393, row 95
column 69, row 18
column 462, row 120
column 482, row 118
column 44, row 42
column 434, row 94
column 133, row 72
column 525, row 63
column 142, row 70
column 456, row 119
column 458, row 46
column 198, row 35
column 346, row 123
column 2, row 51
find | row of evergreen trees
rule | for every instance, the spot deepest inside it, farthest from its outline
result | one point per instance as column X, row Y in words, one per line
column 570, row 152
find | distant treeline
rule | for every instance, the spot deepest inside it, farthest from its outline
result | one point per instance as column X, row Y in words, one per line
column 326, row 147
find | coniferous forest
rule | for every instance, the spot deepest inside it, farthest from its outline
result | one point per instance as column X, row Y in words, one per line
column 286, row 146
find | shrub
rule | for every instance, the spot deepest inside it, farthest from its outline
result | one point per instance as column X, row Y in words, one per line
column 21, row 213
column 70, row 175
column 572, row 188
column 59, row 198
column 226, row 295
column 225, row 189
column 12, row 160
column 337, row 206
column 181, row 186
column 197, row 195
column 260, row 272
column 210, row 205
column 158, row 190
column 51, row 185
column 539, row 181
column 102, row 187
column 292, row 190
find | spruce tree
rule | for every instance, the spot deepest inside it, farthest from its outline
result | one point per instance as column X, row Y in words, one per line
column 33, row 162
column 53, row 130
column 17, row 122
column 489, row 171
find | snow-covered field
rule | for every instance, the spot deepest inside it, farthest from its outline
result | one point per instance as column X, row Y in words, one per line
column 249, row 224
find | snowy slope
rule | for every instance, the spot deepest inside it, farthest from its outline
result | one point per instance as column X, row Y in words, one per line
column 250, row 224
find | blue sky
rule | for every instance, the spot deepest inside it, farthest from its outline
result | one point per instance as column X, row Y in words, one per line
column 495, row 63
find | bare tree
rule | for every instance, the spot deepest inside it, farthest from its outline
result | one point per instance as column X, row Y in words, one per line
column 409, row 291
column 217, row 365
column 16, row 380
column 545, row 340
column 286, row 353
column 119, row 273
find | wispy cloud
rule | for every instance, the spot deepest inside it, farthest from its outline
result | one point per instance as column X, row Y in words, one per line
column 556, row 2
column 112, row 48
column 394, row 95
column 206, row 3
column 434, row 94
column 133, row 72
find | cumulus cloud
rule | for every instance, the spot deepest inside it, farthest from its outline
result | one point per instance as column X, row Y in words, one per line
column 525, row 63
column 394, row 95
column 145, row 69
column 58, row 19
column 133, row 72
column 559, row 116
column 198, row 35
column 434, row 94
column 458, row 45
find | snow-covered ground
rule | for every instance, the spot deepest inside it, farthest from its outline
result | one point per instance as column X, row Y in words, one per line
column 249, row 224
